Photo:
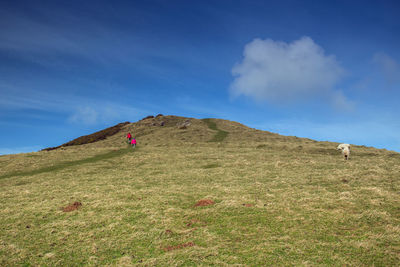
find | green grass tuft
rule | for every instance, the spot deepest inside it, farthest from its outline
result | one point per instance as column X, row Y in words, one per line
column 212, row 165
column 68, row 164
column 220, row 135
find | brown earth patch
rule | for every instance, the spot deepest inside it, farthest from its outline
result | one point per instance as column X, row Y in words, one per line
column 248, row 205
column 180, row 246
column 168, row 231
column 72, row 207
column 204, row 202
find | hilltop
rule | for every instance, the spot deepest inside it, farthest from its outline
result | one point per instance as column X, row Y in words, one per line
column 199, row 192
column 174, row 130
column 164, row 129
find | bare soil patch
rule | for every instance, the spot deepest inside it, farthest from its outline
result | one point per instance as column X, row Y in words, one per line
column 76, row 205
column 248, row 205
column 204, row 202
column 180, row 246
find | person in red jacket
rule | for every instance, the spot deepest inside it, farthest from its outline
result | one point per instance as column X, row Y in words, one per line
column 129, row 137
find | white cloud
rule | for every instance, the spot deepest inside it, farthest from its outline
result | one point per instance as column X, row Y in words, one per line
column 84, row 115
column 280, row 72
column 389, row 67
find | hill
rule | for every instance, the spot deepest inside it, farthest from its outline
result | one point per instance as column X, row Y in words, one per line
column 199, row 192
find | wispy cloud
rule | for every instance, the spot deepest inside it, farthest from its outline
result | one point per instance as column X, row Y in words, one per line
column 340, row 102
column 84, row 115
column 76, row 109
column 60, row 36
column 388, row 66
column 280, row 72
column 104, row 113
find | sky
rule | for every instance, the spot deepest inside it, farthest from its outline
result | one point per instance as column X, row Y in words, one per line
column 325, row 70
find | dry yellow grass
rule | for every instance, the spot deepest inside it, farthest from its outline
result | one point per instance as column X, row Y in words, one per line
column 278, row 201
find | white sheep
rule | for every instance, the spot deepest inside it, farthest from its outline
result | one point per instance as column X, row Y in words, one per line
column 345, row 150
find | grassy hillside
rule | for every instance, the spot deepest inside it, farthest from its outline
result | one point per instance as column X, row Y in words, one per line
column 269, row 200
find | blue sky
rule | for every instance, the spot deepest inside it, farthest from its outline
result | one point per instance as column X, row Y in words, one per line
column 326, row 70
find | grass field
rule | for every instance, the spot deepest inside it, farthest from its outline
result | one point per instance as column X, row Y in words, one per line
column 276, row 201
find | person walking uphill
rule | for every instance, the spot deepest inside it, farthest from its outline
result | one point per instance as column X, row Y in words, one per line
column 129, row 137
column 133, row 142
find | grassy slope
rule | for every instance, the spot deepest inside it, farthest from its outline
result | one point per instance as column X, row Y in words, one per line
column 306, row 205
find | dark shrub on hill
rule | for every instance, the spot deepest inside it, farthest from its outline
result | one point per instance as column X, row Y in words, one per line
column 91, row 138
column 148, row 117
